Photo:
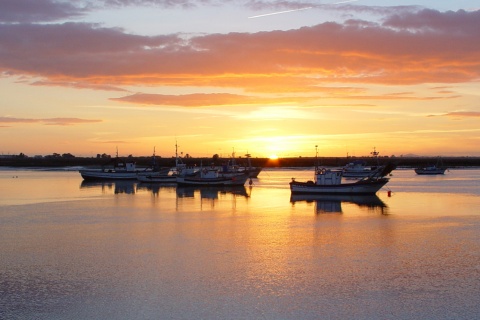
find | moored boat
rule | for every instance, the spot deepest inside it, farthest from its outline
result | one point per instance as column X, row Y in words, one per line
column 433, row 169
column 211, row 176
column 327, row 181
column 359, row 169
column 253, row 172
column 430, row 170
column 119, row 171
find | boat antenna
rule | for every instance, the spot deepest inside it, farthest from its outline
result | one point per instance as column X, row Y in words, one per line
column 176, row 153
column 316, row 157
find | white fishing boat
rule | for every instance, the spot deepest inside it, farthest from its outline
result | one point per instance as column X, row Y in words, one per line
column 120, row 170
column 359, row 169
column 431, row 170
column 167, row 175
column 327, row 181
column 211, row 176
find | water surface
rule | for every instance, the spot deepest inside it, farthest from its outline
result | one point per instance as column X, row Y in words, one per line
column 125, row 250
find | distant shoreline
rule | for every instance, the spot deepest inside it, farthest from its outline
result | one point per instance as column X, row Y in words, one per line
column 144, row 162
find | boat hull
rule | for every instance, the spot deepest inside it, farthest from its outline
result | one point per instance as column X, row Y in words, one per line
column 152, row 178
column 92, row 175
column 238, row 180
column 360, row 187
column 430, row 171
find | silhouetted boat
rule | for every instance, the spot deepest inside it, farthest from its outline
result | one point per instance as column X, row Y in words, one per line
column 433, row 169
column 211, row 176
column 118, row 171
column 328, row 181
column 430, row 170
column 359, row 168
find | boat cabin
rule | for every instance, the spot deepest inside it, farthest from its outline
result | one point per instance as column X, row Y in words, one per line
column 327, row 177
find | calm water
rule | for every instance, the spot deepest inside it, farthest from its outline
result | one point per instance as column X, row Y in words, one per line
column 75, row 250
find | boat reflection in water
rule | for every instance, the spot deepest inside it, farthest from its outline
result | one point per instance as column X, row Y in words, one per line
column 213, row 196
column 212, row 192
column 117, row 186
column 333, row 203
column 155, row 188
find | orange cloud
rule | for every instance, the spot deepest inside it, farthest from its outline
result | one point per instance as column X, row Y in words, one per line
column 408, row 48
column 201, row 99
column 463, row 114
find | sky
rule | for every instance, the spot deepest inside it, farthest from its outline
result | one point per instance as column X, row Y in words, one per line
column 268, row 78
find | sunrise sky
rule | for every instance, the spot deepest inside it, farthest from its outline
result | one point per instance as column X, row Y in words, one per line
column 265, row 77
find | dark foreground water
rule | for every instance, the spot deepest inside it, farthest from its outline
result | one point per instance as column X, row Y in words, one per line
column 75, row 250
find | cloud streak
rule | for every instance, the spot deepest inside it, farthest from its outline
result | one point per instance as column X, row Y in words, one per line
column 279, row 12
column 47, row 121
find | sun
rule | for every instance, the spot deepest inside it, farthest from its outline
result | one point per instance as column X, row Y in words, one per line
column 273, row 157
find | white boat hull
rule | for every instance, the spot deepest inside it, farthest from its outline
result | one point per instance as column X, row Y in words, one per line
column 89, row 174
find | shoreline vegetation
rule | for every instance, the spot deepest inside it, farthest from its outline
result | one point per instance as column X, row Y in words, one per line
column 146, row 161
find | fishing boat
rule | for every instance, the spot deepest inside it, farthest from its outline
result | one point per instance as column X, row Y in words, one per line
column 253, row 172
column 359, row 169
column 327, row 181
column 167, row 175
column 211, row 176
column 430, row 170
column 231, row 166
column 119, row 170
column 433, row 169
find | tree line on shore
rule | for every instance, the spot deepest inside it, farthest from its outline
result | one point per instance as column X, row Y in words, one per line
column 67, row 160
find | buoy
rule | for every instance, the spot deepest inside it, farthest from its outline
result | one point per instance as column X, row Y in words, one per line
column 250, row 182
column 389, row 193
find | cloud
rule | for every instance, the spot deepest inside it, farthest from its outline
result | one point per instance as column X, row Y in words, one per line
column 427, row 20
column 221, row 99
column 32, row 11
column 37, row 10
column 405, row 49
column 48, row 121
column 203, row 99
column 461, row 114
column 77, row 85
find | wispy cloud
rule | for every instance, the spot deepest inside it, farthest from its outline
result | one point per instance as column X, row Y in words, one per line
column 47, row 121
column 459, row 114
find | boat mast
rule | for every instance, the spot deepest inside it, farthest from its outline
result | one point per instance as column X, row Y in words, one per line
column 375, row 153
